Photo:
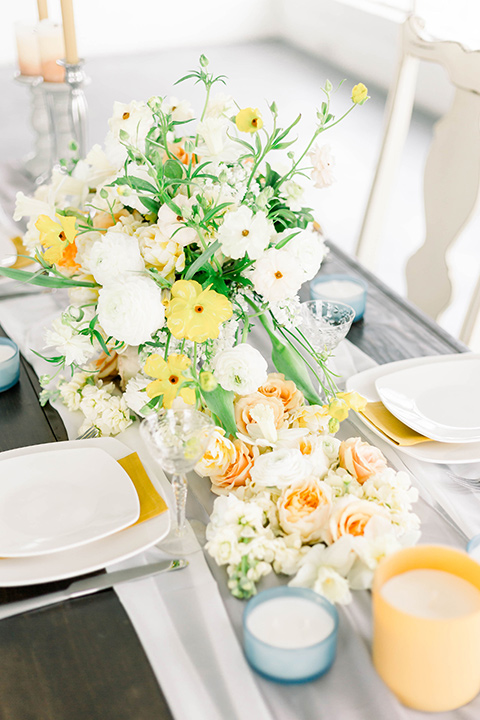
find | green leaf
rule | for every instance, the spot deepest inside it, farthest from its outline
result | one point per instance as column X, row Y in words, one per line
column 173, row 169
column 44, row 280
column 202, row 260
column 151, row 205
column 220, row 403
column 135, row 183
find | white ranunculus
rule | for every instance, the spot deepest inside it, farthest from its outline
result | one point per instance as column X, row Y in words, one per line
column 277, row 275
column 322, row 161
column 279, row 468
column 65, row 338
column 215, row 145
column 130, row 310
column 114, row 257
column 309, row 249
column 242, row 369
column 243, row 232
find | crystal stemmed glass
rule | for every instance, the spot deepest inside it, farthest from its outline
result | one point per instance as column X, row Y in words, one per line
column 325, row 323
column 177, row 439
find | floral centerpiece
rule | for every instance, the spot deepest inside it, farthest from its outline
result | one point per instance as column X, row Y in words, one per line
column 172, row 240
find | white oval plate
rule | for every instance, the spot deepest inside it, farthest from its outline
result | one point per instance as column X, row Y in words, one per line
column 439, row 400
column 100, row 553
column 61, row 499
column 431, row 452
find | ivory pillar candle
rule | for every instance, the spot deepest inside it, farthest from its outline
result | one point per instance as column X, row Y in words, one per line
column 426, row 639
column 50, row 38
column 290, row 634
column 27, row 49
column 71, row 54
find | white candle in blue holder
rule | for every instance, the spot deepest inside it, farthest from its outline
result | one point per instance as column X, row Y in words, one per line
column 343, row 288
column 9, row 364
column 290, row 634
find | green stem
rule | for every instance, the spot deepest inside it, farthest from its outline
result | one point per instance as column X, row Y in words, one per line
column 167, row 344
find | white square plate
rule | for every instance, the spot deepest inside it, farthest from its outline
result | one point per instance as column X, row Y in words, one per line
column 61, row 499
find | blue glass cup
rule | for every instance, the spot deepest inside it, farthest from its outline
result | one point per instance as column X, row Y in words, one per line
column 290, row 664
column 10, row 367
column 341, row 290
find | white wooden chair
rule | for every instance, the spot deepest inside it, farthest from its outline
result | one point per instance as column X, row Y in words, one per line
column 452, row 171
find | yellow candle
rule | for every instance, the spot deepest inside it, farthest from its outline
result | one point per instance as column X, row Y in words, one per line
column 42, row 9
column 71, row 54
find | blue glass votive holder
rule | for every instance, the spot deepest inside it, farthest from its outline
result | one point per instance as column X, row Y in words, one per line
column 343, row 288
column 9, row 364
column 290, row 634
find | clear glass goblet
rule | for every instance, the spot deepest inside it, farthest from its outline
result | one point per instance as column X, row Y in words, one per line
column 325, row 323
column 177, row 439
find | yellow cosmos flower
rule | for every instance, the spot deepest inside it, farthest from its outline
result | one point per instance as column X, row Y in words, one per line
column 169, row 378
column 56, row 236
column 359, row 94
column 196, row 314
column 249, row 120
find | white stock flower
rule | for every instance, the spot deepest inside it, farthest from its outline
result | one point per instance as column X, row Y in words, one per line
column 277, row 275
column 242, row 369
column 135, row 395
column 64, row 337
column 243, row 232
column 71, row 391
column 216, row 146
column 223, row 546
column 115, row 257
column 109, row 413
column 322, row 161
column 130, row 310
column 279, row 468
column 309, row 249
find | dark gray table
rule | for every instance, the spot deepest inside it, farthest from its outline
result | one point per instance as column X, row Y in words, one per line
column 82, row 660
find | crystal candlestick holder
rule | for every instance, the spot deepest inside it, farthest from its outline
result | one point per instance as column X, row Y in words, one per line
column 36, row 165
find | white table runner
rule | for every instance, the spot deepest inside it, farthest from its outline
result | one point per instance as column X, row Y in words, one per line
column 181, row 619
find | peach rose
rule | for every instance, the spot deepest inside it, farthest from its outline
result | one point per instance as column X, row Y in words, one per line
column 238, row 471
column 284, row 390
column 361, row 459
column 351, row 516
column 219, row 455
column 104, row 220
column 313, row 417
column 245, row 410
column 304, row 508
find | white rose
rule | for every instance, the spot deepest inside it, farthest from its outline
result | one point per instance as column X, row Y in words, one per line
column 308, row 247
column 114, row 257
column 277, row 275
column 243, row 232
column 242, row 369
column 279, row 468
column 304, row 508
column 130, row 310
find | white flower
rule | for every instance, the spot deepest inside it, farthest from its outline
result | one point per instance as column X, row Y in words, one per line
column 224, row 547
column 128, row 195
column 243, row 232
column 309, row 249
column 242, row 369
column 136, row 120
column 130, row 310
column 332, row 586
column 160, row 251
column 279, row 468
column 219, row 105
column 32, row 207
column 322, row 161
column 173, row 226
column 108, row 413
column 293, row 194
column 101, row 168
column 277, row 275
column 71, row 391
column 135, row 396
column 325, row 568
column 64, row 337
column 216, row 146
column 304, row 508
column 114, row 257
column 180, row 110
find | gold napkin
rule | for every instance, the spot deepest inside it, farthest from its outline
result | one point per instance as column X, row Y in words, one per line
column 20, row 262
column 151, row 503
column 390, row 426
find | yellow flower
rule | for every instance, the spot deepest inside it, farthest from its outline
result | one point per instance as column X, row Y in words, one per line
column 354, row 400
column 56, row 236
column 249, row 120
column 196, row 314
column 359, row 94
column 338, row 409
column 169, row 378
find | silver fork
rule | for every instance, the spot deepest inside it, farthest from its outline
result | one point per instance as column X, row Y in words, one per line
column 91, row 432
column 470, row 483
